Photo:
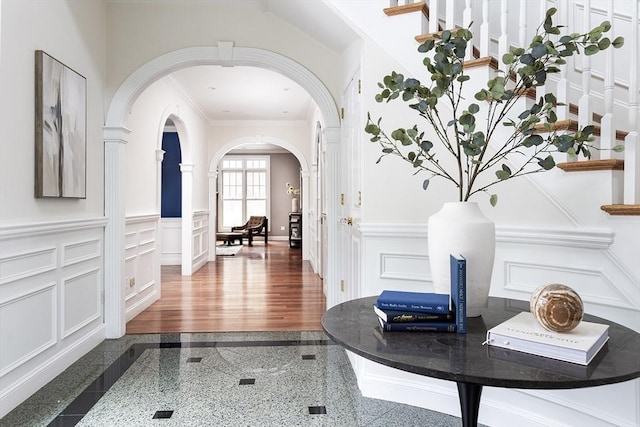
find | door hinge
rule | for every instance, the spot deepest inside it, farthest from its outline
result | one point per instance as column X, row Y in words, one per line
column 359, row 198
column 359, row 86
column 341, row 285
column 342, row 113
column 342, row 198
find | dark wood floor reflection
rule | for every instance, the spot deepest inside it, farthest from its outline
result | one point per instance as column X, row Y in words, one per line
column 262, row 288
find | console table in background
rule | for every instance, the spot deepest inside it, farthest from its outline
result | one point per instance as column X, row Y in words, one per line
column 462, row 357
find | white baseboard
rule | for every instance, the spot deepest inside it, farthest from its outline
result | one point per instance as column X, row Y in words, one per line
column 16, row 393
column 142, row 304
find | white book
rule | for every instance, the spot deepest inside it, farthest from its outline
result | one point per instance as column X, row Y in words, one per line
column 523, row 333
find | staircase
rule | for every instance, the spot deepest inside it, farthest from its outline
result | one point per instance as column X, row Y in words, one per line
column 604, row 94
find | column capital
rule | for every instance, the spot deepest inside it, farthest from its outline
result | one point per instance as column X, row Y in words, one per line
column 116, row 134
column 186, row 167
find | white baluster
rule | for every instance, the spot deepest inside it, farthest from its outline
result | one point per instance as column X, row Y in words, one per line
column 607, row 128
column 562, row 88
column 503, row 40
column 541, row 90
column 434, row 12
column 450, row 15
column 522, row 23
column 484, row 30
column 632, row 141
column 466, row 21
column 584, row 106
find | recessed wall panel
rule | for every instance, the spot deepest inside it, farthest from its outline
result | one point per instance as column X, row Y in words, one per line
column 80, row 301
column 27, row 327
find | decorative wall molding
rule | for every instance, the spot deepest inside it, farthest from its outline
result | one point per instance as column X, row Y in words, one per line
column 51, row 306
column 142, row 262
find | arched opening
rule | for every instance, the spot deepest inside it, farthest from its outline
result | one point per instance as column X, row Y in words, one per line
column 117, row 135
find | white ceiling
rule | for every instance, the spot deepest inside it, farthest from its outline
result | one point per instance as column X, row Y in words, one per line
column 250, row 93
column 243, row 93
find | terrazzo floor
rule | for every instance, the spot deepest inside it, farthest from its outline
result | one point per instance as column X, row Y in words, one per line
column 214, row 379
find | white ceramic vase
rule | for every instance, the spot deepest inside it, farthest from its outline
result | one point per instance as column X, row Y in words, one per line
column 294, row 205
column 462, row 228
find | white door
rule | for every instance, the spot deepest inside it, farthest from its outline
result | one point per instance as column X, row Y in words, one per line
column 350, row 185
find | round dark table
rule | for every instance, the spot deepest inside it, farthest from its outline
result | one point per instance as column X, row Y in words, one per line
column 464, row 359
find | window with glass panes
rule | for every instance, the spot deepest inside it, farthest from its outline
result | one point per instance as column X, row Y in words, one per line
column 244, row 189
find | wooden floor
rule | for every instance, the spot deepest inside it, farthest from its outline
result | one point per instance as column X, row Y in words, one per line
column 262, row 288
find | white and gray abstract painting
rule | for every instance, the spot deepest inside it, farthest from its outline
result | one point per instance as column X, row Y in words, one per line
column 60, row 130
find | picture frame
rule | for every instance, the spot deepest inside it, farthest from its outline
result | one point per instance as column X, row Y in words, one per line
column 60, row 129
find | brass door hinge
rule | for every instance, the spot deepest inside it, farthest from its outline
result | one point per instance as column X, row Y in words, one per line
column 342, row 198
column 341, row 285
column 342, row 113
column 359, row 86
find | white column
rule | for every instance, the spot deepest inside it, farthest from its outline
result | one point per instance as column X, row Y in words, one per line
column 305, row 204
column 331, row 175
column 159, row 159
column 213, row 220
column 607, row 129
column 114, row 209
column 187, row 219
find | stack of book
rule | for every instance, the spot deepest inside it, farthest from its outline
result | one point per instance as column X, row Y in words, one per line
column 523, row 333
column 426, row 311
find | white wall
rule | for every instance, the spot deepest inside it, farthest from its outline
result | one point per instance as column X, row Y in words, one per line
column 142, row 31
column 51, row 257
column 74, row 34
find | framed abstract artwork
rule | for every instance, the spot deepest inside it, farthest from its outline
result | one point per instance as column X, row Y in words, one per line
column 61, row 130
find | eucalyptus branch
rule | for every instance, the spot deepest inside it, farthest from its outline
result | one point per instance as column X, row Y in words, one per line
column 527, row 68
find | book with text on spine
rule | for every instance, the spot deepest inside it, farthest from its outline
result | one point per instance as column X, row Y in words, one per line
column 399, row 316
column 425, row 302
column 459, row 291
column 418, row 326
column 523, row 333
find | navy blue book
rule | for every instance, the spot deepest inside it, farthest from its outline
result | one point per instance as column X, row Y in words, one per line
column 418, row 326
column 425, row 302
column 459, row 291
column 397, row 316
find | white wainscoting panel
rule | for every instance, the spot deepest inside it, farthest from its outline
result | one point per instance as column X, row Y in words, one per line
column 395, row 256
column 51, row 302
column 171, row 232
column 200, row 239
column 142, row 263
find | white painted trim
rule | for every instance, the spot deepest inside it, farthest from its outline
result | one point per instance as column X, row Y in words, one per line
column 39, row 229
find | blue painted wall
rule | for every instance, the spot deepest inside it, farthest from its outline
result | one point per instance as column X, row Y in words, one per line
column 171, row 204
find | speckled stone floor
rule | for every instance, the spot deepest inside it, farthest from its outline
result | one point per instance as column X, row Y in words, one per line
column 217, row 379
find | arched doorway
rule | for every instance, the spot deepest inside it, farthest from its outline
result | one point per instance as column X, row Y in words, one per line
column 116, row 135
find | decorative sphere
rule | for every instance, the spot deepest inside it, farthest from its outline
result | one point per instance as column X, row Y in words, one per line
column 556, row 307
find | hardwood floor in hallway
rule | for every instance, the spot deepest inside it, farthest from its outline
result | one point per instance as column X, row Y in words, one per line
column 262, row 288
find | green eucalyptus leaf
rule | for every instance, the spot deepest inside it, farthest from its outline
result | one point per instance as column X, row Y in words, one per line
column 538, row 51
column 372, row 129
column 604, row 43
column 387, row 150
column 618, row 42
column 547, row 163
column 493, row 200
column 474, row 108
column 503, row 175
column 591, row 50
column 618, row 148
column 425, row 184
column 508, row 58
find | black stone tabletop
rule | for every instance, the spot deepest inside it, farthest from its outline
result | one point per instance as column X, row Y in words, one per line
column 464, row 358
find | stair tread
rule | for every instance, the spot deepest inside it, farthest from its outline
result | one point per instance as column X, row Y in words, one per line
column 592, row 165
column 420, row 6
column 621, row 209
column 572, row 126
